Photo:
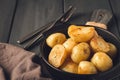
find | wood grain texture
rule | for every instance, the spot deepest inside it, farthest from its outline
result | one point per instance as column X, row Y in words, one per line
column 6, row 15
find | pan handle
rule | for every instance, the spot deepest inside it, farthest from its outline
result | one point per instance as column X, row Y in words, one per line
column 100, row 18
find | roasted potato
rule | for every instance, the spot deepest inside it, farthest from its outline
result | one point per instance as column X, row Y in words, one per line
column 86, row 67
column 69, row 66
column 80, row 52
column 55, row 38
column 102, row 61
column 57, row 55
column 81, row 33
column 113, row 50
column 99, row 44
column 69, row 44
column 84, row 52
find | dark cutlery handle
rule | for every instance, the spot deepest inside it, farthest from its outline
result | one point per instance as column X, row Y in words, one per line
column 101, row 16
column 32, row 42
column 33, row 34
column 62, row 19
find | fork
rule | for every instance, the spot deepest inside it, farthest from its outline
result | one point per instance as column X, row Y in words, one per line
column 38, row 34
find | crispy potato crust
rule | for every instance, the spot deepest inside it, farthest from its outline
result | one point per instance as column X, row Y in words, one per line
column 81, row 33
column 102, row 61
column 55, row 38
column 57, row 55
column 80, row 52
column 86, row 67
column 99, row 44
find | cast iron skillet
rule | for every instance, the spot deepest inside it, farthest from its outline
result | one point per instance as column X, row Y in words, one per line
column 58, row 74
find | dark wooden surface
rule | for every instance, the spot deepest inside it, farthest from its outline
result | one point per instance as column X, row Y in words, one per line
column 6, row 16
column 19, row 17
column 32, row 14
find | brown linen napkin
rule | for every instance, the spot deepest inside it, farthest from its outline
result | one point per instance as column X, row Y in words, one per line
column 18, row 64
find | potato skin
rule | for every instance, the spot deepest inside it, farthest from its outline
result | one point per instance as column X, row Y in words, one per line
column 69, row 44
column 86, row 67
column 81, row 33
column 113, row 50
column 80, row 52
column 97, row 44
column 102, row 61
column 69, row 66
column 57, row 55
column 55, row 38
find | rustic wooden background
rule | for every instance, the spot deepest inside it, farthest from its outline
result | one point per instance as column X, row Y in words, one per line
column 20, row 17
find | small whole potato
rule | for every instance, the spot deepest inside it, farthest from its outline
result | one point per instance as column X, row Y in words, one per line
column 113, row 50
column 97, row 43
column 69, row 66
column 81, row 33
column 55, row 38
column 57, row 55
column 102, row 61
column 86, row 67
column 80, row 52
column 69, row 44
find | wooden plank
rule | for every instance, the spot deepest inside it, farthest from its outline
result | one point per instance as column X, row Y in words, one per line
column 84, row 9
column 6, row 13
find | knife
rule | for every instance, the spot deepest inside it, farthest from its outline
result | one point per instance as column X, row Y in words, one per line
column 62, row 19
column 40, row 33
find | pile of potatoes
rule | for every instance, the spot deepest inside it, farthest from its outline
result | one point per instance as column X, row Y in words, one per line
column 84, row 52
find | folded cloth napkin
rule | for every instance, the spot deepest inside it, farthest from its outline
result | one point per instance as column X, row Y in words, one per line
column 18, row 64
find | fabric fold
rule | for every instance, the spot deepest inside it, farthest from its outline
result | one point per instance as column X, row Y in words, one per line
column 18, row 63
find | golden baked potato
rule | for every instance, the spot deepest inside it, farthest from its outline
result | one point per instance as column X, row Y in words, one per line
column 55, row 38
column 113, row 50
column 84, row 52
column 99, row 44
column 102, row 61
column 86, row 67
column 81, row 33
column 57, row 55
column 80, row 52
column 69, row 66
column 69, row 44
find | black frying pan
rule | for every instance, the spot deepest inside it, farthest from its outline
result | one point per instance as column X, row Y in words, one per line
column 58, row 74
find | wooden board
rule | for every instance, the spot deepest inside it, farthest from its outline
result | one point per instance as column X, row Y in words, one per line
column 7, row 8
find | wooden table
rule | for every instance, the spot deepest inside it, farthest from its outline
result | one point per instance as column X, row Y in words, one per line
column 20, row 17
